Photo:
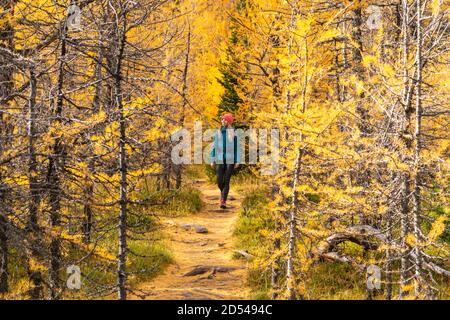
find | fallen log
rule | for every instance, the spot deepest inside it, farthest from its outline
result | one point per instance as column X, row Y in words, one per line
column 198, row 270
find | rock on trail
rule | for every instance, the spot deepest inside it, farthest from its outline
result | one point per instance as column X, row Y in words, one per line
column 196, row 227
column 202, row 247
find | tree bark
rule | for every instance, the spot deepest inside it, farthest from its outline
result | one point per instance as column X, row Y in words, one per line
column 290, row 276
column 89, row 191
column 416, row 205
column 404, row 229
column 179, row 168
column 357, row 66
column 33, row 229
column 121, row 270
column 389, row 253
column 6, row 86
column 3, row 249
column 53, row 179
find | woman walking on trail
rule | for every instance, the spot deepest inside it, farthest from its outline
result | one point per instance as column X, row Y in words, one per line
column 225, row 156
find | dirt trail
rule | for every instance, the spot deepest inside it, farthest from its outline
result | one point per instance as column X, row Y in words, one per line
column 191, row 249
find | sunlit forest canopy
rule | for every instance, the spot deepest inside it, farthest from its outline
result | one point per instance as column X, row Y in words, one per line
column 91, row 93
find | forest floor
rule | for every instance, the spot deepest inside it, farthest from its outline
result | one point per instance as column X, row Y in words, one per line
column 204, row 267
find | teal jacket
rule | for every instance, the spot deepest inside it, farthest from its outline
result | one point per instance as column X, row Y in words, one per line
column 219, row 150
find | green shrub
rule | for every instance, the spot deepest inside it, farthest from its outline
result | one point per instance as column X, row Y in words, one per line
column 253, row 218
column 175, row 202
column 148, row 258
column 332, row 281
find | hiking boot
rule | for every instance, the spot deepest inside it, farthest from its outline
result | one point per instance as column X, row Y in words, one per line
column 223, row 204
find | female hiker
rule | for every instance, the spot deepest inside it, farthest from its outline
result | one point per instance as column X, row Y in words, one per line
column 225, row 156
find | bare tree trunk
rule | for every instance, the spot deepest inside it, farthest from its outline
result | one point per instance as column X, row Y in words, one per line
column 404, row 228
column 167, row 167
column 3, row 248
column 98, row 78
column 89, row 192
column 389, row 255
column 357, row 20
column 3, row 219
column 121, row 270
column 416, row 205
column 405, row 185
column 407, row 88
column 290, row 277
column 54, row 186
column 290, row 214
column 33, row 229
column 179, row 168
column 6, row 86
column 275, row 267
column 33, row 203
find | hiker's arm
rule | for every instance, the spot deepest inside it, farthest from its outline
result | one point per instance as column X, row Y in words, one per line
column 237, row 153
column 213, row 152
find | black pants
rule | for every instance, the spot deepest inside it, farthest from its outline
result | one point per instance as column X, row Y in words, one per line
column 223, row 173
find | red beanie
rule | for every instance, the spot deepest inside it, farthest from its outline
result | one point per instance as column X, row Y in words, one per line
column 228, row 117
